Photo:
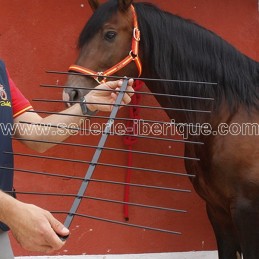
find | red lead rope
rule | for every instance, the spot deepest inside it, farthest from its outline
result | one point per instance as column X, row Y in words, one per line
column 130, row 140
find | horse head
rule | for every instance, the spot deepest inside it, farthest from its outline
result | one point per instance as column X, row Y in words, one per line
column 108, row 45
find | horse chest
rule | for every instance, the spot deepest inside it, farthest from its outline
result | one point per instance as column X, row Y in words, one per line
column 214, row 172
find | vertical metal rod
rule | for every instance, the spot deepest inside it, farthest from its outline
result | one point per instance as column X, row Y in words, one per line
column 96, row 155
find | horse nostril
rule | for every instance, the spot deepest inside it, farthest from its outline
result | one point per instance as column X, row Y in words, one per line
column 69, row 96
column 73, row 95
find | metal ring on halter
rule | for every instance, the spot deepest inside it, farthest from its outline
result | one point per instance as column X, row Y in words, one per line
column 136, row 34
column 97, row 78
column 133, row 55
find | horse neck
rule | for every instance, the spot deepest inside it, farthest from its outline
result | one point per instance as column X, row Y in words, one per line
column 177, row 108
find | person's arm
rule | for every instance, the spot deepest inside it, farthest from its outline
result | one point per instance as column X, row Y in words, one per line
column 57, row 134
column 34, row 228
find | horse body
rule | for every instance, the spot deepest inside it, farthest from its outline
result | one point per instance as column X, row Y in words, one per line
column 227, row 176
column 227, row 179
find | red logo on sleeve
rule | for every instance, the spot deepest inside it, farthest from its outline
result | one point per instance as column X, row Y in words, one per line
column 3, row 97
column 3, row 94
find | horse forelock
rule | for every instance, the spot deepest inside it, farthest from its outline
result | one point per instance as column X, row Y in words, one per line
column 177, row 48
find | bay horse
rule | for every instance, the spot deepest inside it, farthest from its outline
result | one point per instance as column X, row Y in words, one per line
column 170, row 47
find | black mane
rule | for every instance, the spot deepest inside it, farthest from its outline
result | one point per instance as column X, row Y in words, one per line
column 176, row 48
column 187, row 51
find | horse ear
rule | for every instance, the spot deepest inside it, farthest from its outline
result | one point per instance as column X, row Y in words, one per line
column 94, row 4
column 124, row 4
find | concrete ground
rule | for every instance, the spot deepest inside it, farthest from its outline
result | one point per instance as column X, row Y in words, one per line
column 186, row 255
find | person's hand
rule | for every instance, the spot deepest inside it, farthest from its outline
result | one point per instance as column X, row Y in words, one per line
column 36, row 229
column 107, row 97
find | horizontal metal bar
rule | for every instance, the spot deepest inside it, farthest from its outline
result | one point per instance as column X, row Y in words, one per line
column 187, row 125
column 128, row 105
column 27, row 171
column 135, row 78
column 149, row 170
column 146, row 170
column 116, row 183
column 118, row 222
column 114, row 134
column 133, row 92
column 99, row 199
column 82, row 161
column 95, row 147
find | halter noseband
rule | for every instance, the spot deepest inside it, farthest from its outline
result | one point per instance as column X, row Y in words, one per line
column 133, row 56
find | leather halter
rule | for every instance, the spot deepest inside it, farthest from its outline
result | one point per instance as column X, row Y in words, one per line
column 133, row 56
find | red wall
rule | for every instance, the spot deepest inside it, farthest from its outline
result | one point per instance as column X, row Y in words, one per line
column 36, row 36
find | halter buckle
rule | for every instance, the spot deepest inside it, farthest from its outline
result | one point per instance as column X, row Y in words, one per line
column 136, row 34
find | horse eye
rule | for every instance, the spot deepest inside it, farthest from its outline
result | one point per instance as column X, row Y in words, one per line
column 110, row 35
